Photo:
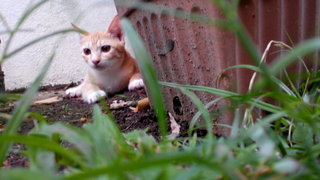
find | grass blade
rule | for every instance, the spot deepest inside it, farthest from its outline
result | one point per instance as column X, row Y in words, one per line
column 302, row 50
column 159, row 160
column 6, row 56
column 22, row 108
column 147, row 70
column 198, row 114
column 264, row 122
column 5, row 23
column 26, row 174
column 224, row 93
column 78, row 137
column 283, row 86
column 44, row 143
column 202, row 109
column 25, row 15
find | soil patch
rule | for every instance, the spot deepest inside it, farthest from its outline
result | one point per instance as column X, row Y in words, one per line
column 76, row 112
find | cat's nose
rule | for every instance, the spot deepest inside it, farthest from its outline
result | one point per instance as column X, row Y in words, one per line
column 96, row 62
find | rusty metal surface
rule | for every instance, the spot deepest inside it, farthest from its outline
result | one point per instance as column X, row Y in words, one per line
column 192, row 53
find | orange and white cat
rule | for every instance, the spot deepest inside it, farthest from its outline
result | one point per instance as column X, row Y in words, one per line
column 111, row 67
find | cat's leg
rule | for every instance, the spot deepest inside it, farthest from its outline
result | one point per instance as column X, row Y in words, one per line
column 135, row 82
column 92, row 93
column 75, row 91
column 94, row 96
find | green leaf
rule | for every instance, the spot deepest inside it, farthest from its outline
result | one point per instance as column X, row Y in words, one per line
column 79, row 138
column 303, row 134
column 107, row 141
column 264, row 122
column 9, row 96
column 287, row 166
column 245, row 66
column 266, row 145
column 158, row 160
column 26, row 174
column 139, row 136
column 41, row 160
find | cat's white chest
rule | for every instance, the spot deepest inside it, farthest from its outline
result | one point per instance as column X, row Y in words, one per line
column 110, row 81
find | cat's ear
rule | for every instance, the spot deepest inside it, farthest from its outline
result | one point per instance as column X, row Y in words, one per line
column 115, row 30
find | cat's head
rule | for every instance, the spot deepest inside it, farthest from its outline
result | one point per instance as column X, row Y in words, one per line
column 104, row 50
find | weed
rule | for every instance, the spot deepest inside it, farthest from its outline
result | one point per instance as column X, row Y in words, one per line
column 284, row 144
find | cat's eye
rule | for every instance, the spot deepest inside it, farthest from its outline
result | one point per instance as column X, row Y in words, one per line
column 105, row 48
column 86, row 51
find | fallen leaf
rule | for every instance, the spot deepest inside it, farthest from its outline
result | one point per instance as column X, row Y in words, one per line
column 5, row 163
column 117, row 104
column 84, row 120
column 262, row 170
column 8, row 117
column 142, row 104
column 50, row 100
column 133, row 109
column 175, row 127
column 158, row 150
column 1, row 127
column 5, row 115
column 7, row 108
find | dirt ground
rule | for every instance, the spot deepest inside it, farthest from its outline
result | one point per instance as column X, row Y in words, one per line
column 76, row 112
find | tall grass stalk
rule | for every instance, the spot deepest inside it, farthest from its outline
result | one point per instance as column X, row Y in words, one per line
column 25, row 15
column 20, row 111
column 147, row 70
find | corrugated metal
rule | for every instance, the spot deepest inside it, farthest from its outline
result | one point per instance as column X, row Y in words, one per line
column 289, row 21
column 191, row 53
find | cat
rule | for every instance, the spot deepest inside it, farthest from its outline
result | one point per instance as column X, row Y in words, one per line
column 111, row 67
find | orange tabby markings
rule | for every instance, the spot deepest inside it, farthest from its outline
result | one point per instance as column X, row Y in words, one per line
column 111, row 67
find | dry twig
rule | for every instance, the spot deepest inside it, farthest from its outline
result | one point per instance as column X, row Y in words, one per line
column 175, row 127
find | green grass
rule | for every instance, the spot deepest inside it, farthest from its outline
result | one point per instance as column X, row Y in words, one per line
column 284, row 144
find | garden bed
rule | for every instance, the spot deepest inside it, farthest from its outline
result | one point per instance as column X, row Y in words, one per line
column 76, row 112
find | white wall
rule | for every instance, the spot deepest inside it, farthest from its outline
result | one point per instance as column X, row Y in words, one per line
column 68, row 66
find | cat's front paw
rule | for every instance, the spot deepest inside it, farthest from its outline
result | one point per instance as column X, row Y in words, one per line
column 135, row 84
column 74, row 92
column 94, row 96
